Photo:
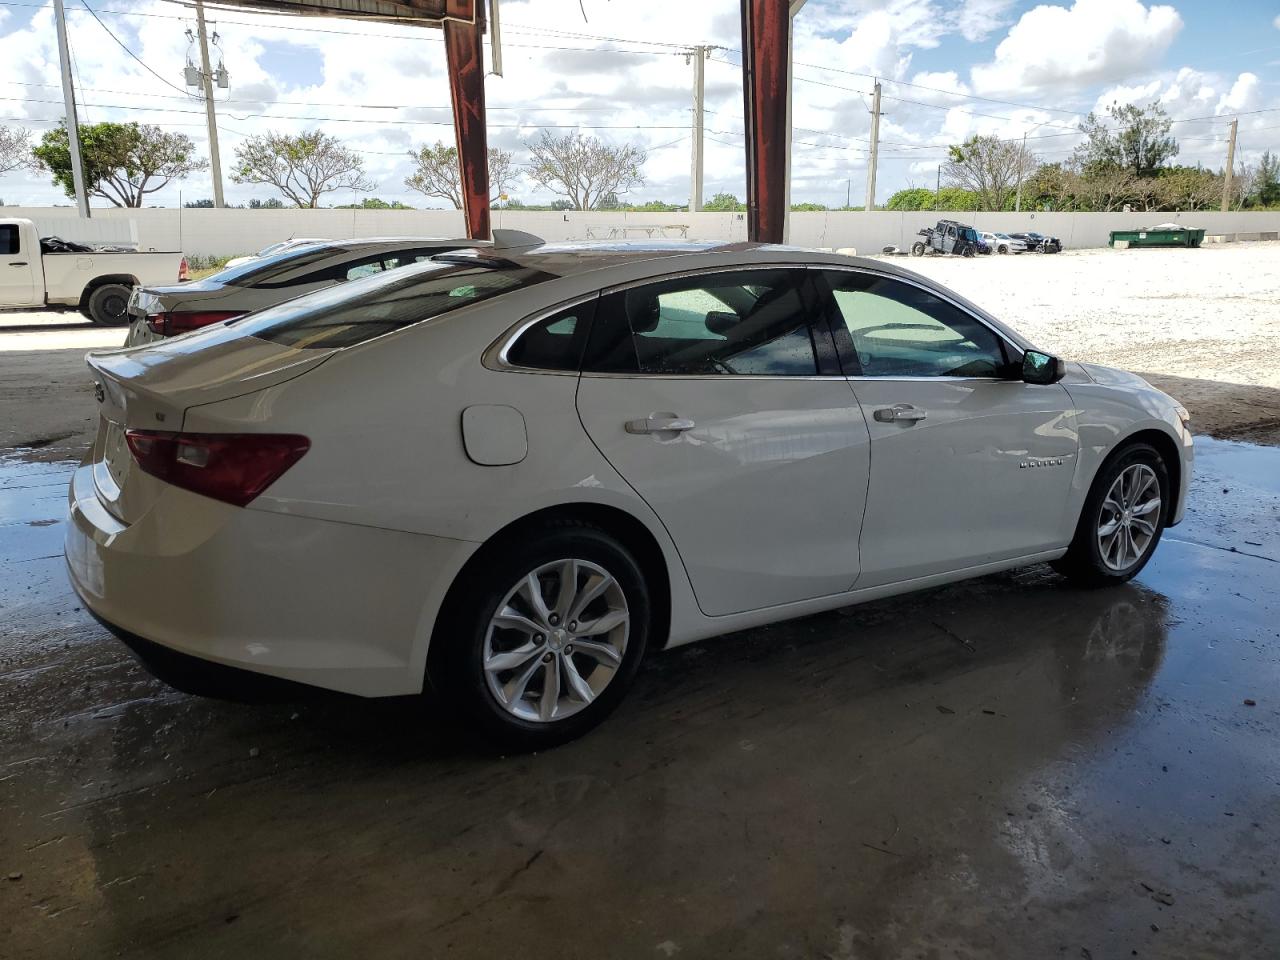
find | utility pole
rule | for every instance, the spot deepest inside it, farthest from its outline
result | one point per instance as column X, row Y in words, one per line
column 73, row 124
column 206, row 78
column 1231, row 164
column 937, row 192
column 848, row 192
column 1022, row 161
column 875, row 148
column 699, row 54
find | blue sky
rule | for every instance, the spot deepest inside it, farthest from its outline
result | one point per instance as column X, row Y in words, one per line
column 950, row 68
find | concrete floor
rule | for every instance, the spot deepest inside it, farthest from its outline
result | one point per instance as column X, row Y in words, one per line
column 1007, row 768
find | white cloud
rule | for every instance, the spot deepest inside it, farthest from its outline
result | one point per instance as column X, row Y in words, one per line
column 978, row 19
column 1054, row 48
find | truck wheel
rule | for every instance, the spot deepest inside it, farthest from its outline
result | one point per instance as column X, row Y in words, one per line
column 966, row 251
column 109, row 304
column 917, row 249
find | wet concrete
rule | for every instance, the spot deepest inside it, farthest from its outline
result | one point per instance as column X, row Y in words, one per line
column 1009, row 767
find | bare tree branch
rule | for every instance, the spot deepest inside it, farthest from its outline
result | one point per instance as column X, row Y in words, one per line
column 15, row 148
column 302, row 167
column 585, row 169
column 990, row 167
column 436, row 173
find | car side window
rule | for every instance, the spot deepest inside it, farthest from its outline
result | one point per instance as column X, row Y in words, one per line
column 366, row 269
column 748, row 322
column 555, row 342
column 896, row 329
column 8, row 239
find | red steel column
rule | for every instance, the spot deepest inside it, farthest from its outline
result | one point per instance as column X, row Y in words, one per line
column 765, row 39
column 465, row 57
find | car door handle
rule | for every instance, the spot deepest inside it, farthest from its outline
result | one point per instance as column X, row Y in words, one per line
column 17, row 263
column 900, row 413
column 659, row 424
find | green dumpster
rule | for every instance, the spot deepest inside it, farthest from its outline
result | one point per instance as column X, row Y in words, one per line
column 1157, row 237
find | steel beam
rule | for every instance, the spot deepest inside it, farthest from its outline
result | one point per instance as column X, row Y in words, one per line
column 465, row 55
column 766, row 40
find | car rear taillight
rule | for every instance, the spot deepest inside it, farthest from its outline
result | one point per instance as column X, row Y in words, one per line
column 231, row 467
column 174, row 322
column 184, row 271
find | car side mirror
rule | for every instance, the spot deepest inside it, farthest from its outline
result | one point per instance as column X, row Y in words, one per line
column 1042, row 368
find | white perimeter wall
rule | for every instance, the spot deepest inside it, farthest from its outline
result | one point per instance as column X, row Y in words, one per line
column 228, row 232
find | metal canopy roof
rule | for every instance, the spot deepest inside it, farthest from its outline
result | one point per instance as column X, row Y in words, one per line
column 427, row 13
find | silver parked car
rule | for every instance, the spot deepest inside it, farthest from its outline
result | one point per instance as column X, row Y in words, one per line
column 164, row 311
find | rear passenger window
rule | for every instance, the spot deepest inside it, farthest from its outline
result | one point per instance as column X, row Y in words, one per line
column 8, row 238
column 364, row 270
column 555, row 343
column 750, row 322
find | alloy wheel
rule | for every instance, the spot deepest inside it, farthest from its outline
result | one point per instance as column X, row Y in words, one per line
column 556, row 641
column 1129, row 519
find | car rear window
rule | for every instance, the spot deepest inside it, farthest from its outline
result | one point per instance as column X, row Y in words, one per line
column 354, row 312
column 266, row 269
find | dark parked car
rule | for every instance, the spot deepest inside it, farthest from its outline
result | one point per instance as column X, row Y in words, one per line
column 1039, row 242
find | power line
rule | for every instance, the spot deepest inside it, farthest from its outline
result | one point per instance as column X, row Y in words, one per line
column 130, row 52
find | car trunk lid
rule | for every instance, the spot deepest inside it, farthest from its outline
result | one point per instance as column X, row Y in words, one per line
column 151, row 388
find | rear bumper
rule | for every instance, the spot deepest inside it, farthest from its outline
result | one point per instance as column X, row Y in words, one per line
column 332, row 605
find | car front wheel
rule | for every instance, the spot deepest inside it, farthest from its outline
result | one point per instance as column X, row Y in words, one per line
column 1122, row 520
column 544, row 639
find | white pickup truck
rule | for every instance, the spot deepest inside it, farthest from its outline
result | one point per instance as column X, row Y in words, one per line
column 98, row 284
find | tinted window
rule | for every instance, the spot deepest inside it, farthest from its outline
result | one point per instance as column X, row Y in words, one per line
column 352, row 313
column 896, row 329
column 263, row 271
column 366, row 269
column 555, row 343
column 8, row 238
column 745, row 322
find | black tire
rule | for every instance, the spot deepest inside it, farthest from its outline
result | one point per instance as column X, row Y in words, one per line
column 1002, row 249
column 108, row 305
column 1083, row 563
column 966, row 251
column 917, row 249
column 456, row 676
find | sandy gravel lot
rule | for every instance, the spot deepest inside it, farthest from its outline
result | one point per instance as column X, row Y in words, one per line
column 1203, row 325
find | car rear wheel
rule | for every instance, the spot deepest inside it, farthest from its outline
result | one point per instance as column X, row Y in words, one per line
column 1002, row 248
column 109, row 304
column 1122, row 519
column 543, row 641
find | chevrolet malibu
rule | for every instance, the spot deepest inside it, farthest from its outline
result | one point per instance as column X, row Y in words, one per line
column 501, row 477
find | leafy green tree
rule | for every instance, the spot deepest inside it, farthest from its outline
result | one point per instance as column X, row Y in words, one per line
column 303, row 167
column 373, row 203
column 123, row 162
column 808, row 207
column 912, row 198
column 1136, row 139
column 271, row 203
column 1266, row 181
column 724, row 203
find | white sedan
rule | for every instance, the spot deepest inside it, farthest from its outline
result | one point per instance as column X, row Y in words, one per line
column 503, row 476
column 1003, row 243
